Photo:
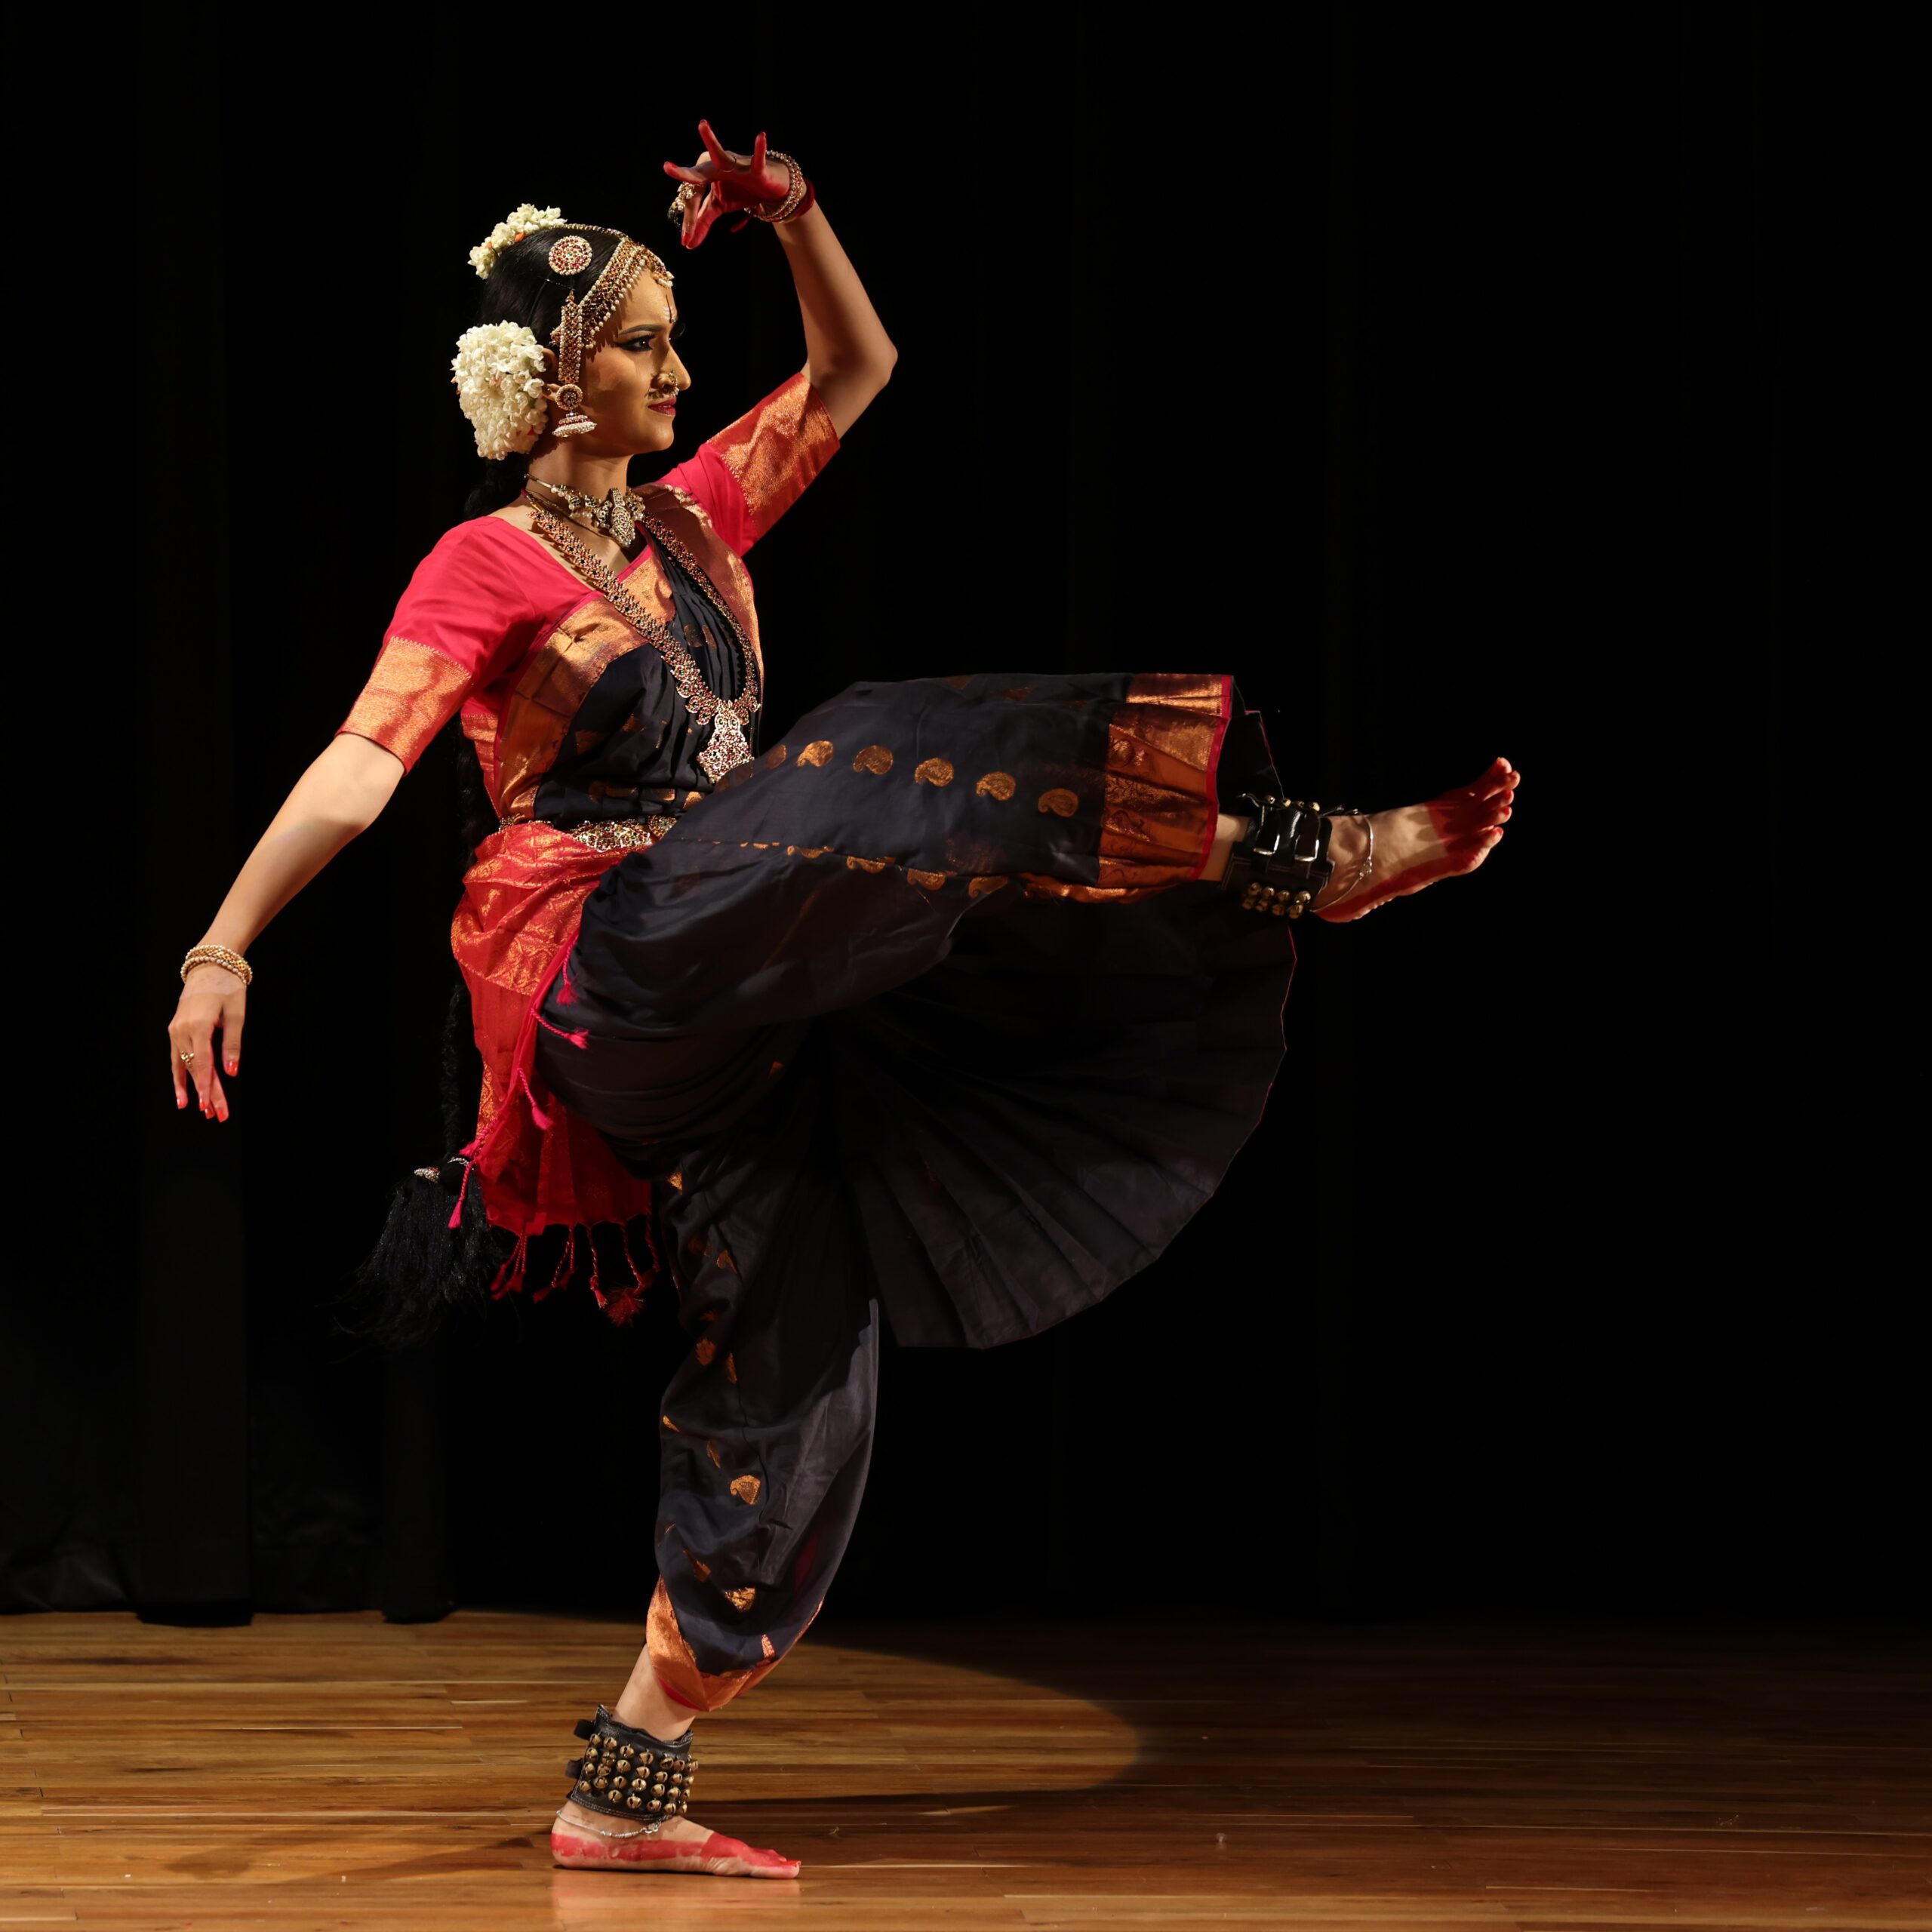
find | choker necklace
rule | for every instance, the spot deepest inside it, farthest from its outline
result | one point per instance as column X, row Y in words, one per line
column 614, row 516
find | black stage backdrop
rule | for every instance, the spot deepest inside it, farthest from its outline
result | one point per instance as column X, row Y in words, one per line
column 1468, row 380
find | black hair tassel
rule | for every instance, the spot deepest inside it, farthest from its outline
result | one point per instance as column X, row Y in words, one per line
column 422, row 1270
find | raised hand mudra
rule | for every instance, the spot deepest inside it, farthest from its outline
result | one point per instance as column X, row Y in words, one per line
column 720, row 182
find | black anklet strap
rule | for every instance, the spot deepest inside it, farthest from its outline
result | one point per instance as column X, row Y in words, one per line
column 1283, row 864
column 629, row 1773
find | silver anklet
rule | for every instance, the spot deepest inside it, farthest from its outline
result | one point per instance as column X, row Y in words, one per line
column 1363, row 870
column 649, row 1831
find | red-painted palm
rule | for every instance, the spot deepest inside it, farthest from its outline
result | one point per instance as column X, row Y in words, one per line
column 730, row 181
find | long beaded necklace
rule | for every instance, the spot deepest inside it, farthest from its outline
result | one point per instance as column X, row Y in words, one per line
column 613, row 515
column 729, row 718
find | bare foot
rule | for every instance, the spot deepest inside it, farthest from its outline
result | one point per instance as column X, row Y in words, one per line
column 679, row 1844
column 1416, row 845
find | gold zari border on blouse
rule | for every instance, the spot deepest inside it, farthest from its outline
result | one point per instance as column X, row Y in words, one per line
column 411, row 694
column 775, row 450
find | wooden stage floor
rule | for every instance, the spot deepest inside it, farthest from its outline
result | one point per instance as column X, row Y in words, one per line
column 311, row 1772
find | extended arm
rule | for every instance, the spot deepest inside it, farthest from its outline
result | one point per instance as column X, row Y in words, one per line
column 341, row 794
column 848, row 354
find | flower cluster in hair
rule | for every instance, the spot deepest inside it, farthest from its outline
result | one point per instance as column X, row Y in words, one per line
column 514, row 226
column 500, row 382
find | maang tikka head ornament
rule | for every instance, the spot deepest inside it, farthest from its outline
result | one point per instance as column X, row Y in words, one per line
column 582, row 322
column 499, row 366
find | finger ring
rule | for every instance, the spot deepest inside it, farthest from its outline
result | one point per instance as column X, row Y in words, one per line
column 187, row 1053
column 687, row 193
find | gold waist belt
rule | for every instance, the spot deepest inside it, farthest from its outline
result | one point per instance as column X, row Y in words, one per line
column 607, row 834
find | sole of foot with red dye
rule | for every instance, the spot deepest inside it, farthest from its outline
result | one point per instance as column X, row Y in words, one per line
column 705, row 1852
column 1416, row 845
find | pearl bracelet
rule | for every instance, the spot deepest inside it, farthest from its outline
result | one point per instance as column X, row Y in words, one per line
column 218, row 955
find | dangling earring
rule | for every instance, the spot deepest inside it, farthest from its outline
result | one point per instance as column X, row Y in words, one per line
column 574, row 422
column 582, row 321
column 571, row 256
column 567, row 391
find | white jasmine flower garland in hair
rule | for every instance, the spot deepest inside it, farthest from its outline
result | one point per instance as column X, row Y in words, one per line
column 500, row 382
column 513, row 227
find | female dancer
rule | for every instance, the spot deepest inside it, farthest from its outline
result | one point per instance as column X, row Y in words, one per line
column 951, row 1007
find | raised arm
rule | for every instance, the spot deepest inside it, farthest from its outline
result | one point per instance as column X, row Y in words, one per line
column 848, row 354
column 341, row 794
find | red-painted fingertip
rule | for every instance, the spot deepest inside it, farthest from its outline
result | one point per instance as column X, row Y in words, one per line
column 234, row 1066
column 182, row 1102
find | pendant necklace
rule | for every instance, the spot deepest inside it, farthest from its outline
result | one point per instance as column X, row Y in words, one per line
column 729, row 717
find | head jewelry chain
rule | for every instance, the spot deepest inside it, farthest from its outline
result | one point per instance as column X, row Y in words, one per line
column 582, row 322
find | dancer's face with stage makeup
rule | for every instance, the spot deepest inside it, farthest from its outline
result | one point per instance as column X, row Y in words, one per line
column 631, row 381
